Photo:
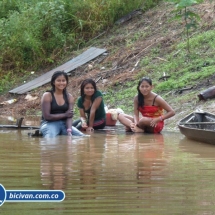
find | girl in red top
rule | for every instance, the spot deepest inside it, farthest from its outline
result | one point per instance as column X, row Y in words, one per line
column 151, row 106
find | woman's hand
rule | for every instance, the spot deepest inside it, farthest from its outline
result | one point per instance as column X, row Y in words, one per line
column 69, row 113
column 84, row 125
column 132, row 126
column 135, row 128
column 154, row 121
column 90, row 129
column 69, row 132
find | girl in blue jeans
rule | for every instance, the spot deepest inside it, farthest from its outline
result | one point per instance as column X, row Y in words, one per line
column 57, row 109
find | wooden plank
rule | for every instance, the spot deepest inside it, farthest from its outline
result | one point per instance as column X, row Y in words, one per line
column 17, row 127
column 85, row 57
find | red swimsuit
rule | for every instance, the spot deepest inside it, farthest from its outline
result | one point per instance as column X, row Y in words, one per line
column 153, row 112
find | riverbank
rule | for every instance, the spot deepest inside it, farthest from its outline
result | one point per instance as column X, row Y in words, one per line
column 147, row 45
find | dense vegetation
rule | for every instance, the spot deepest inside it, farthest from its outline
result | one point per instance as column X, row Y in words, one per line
column 36, row 34
column 175, row 38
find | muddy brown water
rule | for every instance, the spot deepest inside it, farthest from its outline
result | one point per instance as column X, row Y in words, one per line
column 110, row 172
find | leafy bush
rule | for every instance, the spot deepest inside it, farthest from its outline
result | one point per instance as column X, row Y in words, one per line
column 35, row 34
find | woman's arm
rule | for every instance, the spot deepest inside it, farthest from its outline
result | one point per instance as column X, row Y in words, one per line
column 69, row 119
column 93, row 109
column 46, row 109
column 162, row 103
column 136, row 111
column 83, row 118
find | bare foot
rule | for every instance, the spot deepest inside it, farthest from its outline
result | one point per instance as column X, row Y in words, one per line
column 127, row 129
column 137, row 129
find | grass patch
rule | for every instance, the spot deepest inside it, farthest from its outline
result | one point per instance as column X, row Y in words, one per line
column 184, row 70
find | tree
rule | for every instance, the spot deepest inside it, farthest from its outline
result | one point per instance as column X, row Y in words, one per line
column 184, row 11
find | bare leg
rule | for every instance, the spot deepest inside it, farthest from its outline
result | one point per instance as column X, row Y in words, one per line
column 137, row 129
column 144, row 123
column 126, row 120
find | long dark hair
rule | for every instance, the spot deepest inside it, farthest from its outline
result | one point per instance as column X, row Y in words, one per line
column 140, row 96
column 54, row 77
column 84, row 83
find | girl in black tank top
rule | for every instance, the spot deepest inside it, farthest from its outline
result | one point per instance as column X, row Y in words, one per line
column 57, row 109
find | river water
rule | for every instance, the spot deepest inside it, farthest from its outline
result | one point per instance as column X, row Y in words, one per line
column 110, row 172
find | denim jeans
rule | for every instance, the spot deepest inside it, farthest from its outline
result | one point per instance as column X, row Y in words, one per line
column 54, row 128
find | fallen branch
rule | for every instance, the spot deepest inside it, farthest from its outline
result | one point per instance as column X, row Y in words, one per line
column 184, row 89
column 207, row 94
column 135, row 65
column 164, row 77
column 129, row 16
column 98, row 36
column 158, row 40
column 161, row 59
column 176, row 53
column 98, row 79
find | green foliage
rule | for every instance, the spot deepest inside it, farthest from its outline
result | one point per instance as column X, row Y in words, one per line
column 36, row 34
column 7, row 7
column 7, row 81
column 181, row 4
column 187, row 72
column 141, row 74
column 123, row 98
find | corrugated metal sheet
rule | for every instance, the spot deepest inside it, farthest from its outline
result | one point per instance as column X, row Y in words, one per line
column 86, row 56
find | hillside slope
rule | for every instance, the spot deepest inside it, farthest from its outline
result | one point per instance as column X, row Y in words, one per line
column 132, row 47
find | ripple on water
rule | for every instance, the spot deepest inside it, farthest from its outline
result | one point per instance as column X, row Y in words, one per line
column 110, row 173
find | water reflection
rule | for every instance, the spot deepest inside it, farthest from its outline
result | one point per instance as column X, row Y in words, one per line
column 110, row 172
column 55, row 162
column 89, row 163
column 136, row 155
column 62, row 157
column 116, row 162
column 151, row 158
column 200, row 149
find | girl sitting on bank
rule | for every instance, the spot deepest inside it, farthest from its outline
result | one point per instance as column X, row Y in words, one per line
column 151, row 106
column 91, row 107
column 57, row 109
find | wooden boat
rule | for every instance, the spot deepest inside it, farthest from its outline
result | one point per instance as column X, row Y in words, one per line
column 199, row 126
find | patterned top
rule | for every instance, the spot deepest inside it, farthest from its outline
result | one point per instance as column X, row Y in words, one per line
column 151, row 111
